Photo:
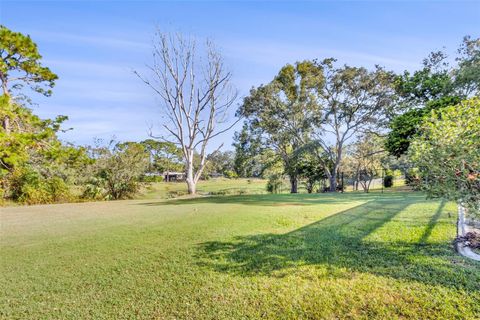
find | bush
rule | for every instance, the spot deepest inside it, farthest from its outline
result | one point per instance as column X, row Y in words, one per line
column 94, row 190
column 447, row 154
column 274, row 183
column 388, row 181
column 117, row 172
column 29, row 187
column 230, row 174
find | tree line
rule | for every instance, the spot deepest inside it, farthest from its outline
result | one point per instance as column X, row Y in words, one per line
column 350, row 119
column 316, row 122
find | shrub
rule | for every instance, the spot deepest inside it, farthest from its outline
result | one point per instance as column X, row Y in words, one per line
column 94, row 190
column 230, row 174
column 117, row 172
column 388, row 181
column 447, row 154
column 30, row 187
column 274, row 183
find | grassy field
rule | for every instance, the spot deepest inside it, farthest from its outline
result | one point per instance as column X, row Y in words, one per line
column 328, row 256
column 211, row 187
column 222, row 186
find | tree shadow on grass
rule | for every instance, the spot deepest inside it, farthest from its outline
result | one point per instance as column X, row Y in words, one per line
column 338, row 243
column 286, row 199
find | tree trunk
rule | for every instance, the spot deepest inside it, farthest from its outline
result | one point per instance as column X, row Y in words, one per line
column 192, row 187
column 191, row 183
column 333, row 181
column 310, row 187
column 293, row 184
column 6, row 120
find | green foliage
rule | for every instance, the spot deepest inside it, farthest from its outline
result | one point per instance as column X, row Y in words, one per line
column 117, row 171
column 282, row 111
column 151, row 178
column 28, row 186
column 467, row 74
column 406, row 127
column 20, row 57
column 230, row 174
column 435, row 86
column 274, row 183
column 221, row 162
column 364, row 160
column 412, row 178
column 310, row 170
column 248, row 148
column 35, row 167
column 164, row 156
column 33, row 162
column 447, row 154
column 431, row 82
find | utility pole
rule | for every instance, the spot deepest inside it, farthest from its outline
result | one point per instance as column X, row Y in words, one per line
column 383, row 178
column 343, row 186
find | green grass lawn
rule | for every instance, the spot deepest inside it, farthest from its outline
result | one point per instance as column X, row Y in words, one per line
column 219, row 186
column 333, row 256
column 223, row 186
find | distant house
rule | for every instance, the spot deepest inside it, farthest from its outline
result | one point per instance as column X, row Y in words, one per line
column 173, row 176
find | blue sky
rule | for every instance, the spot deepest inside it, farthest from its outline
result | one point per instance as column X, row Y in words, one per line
column 94, row 45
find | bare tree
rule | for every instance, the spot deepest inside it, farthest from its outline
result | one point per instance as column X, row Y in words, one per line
column 196, row 94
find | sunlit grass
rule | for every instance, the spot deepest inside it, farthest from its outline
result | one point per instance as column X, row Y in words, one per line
column 349, row 255
column 213, row 186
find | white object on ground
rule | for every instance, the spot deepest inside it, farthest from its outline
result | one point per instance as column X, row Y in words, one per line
column 462, row 230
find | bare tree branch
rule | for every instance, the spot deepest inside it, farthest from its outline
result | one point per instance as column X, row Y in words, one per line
column 196, row 96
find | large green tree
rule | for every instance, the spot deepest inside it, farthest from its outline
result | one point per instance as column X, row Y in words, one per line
column 20, row 65
column 283, row 111
column 35, row 166
column 405, row 127
column 351, row 101
column 436, row 85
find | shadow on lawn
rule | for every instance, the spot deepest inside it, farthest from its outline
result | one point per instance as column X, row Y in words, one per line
column 338, row 242
column 286, row 199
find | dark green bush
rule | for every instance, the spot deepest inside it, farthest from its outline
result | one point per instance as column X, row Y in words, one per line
column 388, row 181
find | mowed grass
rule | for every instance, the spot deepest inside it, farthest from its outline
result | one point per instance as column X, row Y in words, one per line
column 217, row 186
column 320, row 256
